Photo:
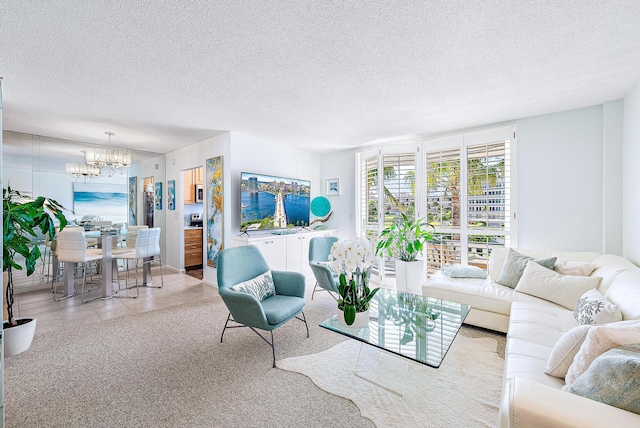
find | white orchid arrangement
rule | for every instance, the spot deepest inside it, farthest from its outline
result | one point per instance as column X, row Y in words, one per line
column 353, row 258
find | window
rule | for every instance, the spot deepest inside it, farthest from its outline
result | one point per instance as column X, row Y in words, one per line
column 467, row 192
column 463, row 185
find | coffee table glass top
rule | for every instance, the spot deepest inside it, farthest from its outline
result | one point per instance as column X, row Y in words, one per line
column 416, row 327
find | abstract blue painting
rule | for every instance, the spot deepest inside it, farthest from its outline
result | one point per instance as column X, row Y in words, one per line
column 171, row 194
column 133, row 201
column 108, row 201
column 158, row 195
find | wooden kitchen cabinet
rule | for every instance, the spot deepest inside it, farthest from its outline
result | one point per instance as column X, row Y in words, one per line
column 192, row 247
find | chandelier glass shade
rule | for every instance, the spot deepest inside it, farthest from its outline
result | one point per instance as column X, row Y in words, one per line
column 83, row 170
column 115, row 159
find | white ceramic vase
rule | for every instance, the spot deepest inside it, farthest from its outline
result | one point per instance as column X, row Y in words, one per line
column 18, row 339
column 409, row 276
column 362, row 319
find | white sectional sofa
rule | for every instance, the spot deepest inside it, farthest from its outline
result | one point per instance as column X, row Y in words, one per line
column 531, row 398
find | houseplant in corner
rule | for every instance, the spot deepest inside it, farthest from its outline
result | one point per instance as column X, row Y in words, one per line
column 405, row 240
column 22, row 216
column 353, row 259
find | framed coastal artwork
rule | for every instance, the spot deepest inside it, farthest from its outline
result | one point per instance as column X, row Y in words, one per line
column 158, row 195
column 171, row 194
column 133, row 201
column 106, row 201
column 215, row 213
column 333, row 186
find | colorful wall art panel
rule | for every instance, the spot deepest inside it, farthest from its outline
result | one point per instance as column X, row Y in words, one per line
column 215, row 213
column 171, row 194
column 133, row 201
column 158, row 196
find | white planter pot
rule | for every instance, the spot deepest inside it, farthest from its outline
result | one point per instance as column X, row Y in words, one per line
column 409, row 276
column 18, row 339
column 362, row 319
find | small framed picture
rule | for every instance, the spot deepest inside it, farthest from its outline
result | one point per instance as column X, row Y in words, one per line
column 333, row 186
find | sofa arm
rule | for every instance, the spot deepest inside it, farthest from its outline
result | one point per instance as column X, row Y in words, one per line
column 526, row 403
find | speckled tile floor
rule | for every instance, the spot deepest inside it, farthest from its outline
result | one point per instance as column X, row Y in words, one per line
column 71, row 312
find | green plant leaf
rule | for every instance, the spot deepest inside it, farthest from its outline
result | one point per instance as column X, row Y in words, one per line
column 349, row 314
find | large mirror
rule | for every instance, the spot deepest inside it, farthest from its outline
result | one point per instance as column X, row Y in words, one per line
column 35, row 165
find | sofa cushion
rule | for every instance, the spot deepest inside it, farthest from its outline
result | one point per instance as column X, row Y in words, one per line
column 624, row 291
column 594, row 308
column 613, row 378
column 514, row 266
column 547, row 284
column 260, row 287
column 459, row 271
column 567, row 267
column 498, row 255
column 565, row 350
column 599, row 340
column 481, row 294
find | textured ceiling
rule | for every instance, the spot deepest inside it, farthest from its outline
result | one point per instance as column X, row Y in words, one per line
column 320, row 75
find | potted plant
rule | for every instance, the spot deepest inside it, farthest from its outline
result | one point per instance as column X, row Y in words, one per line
column 22, row 216
column 406, row 239
column 353, row 259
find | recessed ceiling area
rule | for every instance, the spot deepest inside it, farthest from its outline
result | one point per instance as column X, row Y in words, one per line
column 322, row 76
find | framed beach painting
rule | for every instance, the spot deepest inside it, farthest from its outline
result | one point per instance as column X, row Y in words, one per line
column 215, row 214
column 133, row 201
column 106, row 201
column 171, row 194
column 333, row 186
column 158, row 195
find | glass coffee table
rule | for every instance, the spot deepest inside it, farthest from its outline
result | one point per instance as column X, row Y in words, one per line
column 415, row 327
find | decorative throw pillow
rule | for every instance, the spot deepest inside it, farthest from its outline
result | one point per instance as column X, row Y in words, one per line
column 260, row 287
column 594, row 308
column 331, row 267
column 547, row 284
column 565, row 267
column 459, row 271
column 613, row 378
column 598, row 341
column 565, row 350
column 514, row 265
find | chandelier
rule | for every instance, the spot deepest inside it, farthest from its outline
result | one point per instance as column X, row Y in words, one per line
column 83, row 170
column 114, row 159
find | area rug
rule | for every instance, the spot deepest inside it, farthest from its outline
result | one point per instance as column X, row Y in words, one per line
column 463, row 391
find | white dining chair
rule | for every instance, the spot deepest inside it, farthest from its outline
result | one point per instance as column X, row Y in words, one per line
column 147, row 249
column 71, row 246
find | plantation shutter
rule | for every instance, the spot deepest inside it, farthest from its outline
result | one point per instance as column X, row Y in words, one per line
column 369, row 202
column 443, row 203
column 398, row 194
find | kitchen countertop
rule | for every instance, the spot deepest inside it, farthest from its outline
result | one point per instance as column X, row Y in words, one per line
column 192, row 227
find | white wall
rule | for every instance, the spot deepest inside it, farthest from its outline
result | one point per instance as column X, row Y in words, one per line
column 560, row 180
column 341, row 165
column 631, row 175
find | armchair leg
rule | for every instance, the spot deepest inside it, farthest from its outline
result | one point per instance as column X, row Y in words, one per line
column 330, row 293
column 225, row 327
column 304, row 319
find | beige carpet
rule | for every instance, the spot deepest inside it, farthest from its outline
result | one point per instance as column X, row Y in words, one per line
column 167, row 368
column 464, row 391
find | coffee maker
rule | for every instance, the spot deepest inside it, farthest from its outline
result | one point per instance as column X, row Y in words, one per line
column 196, row 219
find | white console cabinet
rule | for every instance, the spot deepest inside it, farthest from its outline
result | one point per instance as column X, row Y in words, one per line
column 284, row 252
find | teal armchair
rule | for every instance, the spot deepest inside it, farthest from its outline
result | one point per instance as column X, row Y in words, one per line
column 319, row 249
column 239, row 264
